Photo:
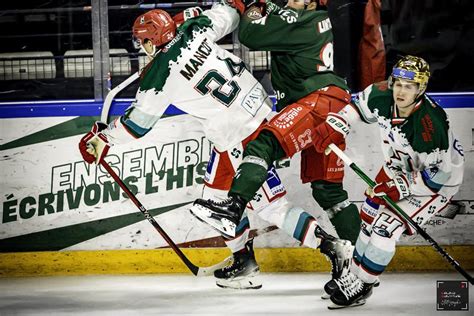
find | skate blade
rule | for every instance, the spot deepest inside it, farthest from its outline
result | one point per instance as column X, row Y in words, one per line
column 355, row 304
column 325, row 296
column 242, row 284
column 223, row 226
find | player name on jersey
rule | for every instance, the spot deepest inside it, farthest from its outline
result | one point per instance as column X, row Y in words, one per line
column 199, row 57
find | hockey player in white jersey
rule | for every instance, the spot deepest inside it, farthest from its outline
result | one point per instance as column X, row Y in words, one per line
column 190, row 71
column 423, row 169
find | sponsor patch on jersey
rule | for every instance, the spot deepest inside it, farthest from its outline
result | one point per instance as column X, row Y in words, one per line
column 254, row 100
column 371, row 210
column 211, row 170
column 285, row 120
column 289, row 16
column 324, row 25
column 428, row 128
column 274, row 182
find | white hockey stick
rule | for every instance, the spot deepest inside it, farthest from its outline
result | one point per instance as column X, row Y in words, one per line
column 112, row 93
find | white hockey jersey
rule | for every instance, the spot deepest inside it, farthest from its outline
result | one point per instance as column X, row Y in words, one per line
column 421, row 146
column 197, row 76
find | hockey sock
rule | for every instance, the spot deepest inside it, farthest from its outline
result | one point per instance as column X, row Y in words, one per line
column 377, row 256
column 241, row 236
column 380, row 248
column 259, row 154
column 347, row 223
column 247, row 180
column 368, row 212
column 343, row 215
column 301, row 226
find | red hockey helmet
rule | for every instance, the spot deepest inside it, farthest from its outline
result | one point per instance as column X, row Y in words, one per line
column 156, row 26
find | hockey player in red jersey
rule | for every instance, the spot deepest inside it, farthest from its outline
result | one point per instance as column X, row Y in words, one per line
column 190, row 71
column 301, row 44
column 423, row 169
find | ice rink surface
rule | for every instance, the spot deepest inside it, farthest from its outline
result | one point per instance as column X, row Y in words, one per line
column 282, row 294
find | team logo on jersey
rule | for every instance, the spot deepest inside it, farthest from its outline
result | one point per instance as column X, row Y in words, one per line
column 236, row 153
column 386, row 225
column 305, row 138
column 260, row 21
column 254, row 13
column 257, row 197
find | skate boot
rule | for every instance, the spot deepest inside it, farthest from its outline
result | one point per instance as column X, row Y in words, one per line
column 223, row 216
column 352, row 292
column 339, row 253
column 242, row 274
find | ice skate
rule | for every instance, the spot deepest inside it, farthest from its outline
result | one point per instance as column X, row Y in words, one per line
column 242, row 273
column 339, row 253
column 351, row 292
column 223, row 216
column 331, row 287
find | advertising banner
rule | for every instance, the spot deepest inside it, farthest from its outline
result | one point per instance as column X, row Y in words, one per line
column 52, row 200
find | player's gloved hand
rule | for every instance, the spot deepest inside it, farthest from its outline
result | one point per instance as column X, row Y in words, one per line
column 243, row 5
column 94, row 145
column 333, row 130
column 396, row 189
column 186, row 14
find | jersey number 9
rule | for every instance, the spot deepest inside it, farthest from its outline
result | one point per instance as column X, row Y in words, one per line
column 326, row 55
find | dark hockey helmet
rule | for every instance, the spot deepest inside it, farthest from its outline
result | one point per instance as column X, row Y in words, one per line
column 411, row 68
column 156, row 26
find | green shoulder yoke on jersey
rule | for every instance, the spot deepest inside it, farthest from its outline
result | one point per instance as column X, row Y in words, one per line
column 430, row 124
column 157, row 72
column 379, row 99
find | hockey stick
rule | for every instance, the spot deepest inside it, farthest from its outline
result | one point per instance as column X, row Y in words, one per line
column 197, row 271
column 112, row 93
column 400, row 212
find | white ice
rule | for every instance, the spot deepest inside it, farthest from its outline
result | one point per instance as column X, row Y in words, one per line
column 282, row 294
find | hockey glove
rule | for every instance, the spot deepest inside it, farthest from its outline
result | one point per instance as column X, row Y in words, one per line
column 187, row 14
column 396, row 189
column 332, row 131
column 243, row 5
column 94, row 145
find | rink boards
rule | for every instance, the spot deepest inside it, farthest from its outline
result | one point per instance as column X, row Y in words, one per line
column 53, row 204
